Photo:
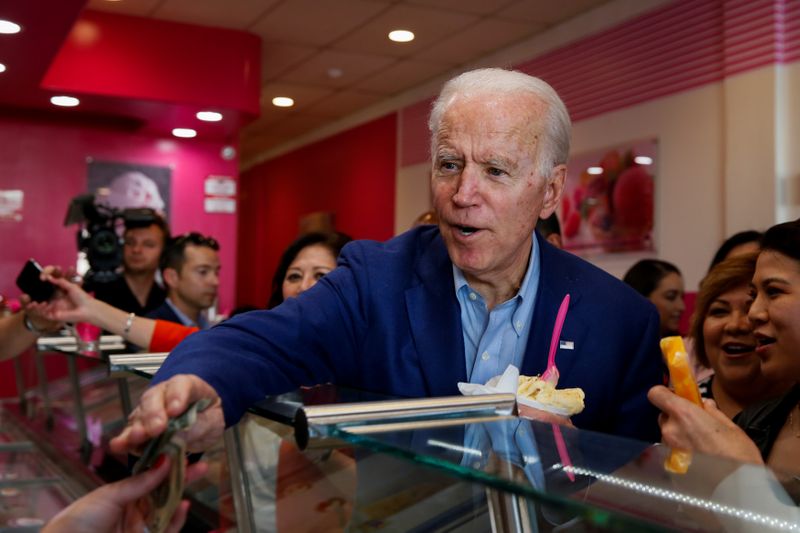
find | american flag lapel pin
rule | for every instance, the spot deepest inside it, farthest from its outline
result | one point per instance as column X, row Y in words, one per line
column 566, row 345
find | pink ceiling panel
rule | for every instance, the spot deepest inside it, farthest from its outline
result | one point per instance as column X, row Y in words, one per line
column 146, row 59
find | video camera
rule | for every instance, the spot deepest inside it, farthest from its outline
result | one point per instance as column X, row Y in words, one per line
column 101, row 236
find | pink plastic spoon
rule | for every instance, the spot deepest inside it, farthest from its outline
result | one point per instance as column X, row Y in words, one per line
column 551, row 373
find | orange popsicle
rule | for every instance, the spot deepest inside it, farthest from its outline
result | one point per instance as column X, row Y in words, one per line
column 685, row 386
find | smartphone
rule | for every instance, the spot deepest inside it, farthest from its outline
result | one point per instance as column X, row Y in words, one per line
column 31, row 284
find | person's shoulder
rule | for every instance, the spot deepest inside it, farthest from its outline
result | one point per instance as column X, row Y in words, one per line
column 163, row 312
column 606, row 289
column 406, row 246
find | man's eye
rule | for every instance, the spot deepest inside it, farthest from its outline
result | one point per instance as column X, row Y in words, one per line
column 494, row 171
column 448, row 165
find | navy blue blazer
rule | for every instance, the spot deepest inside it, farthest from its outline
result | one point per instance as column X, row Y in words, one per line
column 387, row 320
column 164, row 312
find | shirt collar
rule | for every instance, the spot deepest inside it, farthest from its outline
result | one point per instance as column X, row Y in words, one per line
column 185, row 320
column 460, row 281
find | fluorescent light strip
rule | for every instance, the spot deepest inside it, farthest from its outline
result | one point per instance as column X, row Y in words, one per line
column 671, row 495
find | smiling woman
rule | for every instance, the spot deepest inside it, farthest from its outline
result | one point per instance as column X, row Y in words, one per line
column 724, row 338
column 775, row 314
column 773, row 425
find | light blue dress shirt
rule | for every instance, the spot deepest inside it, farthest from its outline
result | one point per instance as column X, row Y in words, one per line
column 494, row 339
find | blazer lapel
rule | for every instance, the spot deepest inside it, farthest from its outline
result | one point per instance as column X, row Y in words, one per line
column 435, row 320
column 554, row 284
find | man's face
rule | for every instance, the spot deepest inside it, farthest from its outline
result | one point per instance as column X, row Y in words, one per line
column 485, row 186
column 142, row 249
column 198, row 280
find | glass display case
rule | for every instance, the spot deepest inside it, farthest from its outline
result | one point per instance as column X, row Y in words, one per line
column 330, row 459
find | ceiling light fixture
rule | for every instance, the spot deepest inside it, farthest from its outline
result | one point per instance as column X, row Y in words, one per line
column 65, row 101
column 643, row 160
column 595, row 171
column 8, row 27
column 184, row 133
column 401, row 36
column 2, row 67
column 282, row 101
column 209, row 116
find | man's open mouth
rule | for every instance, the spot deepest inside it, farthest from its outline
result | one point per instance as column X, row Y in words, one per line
column 466, row 230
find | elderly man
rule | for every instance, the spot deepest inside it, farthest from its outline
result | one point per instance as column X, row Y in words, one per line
column 437, row 305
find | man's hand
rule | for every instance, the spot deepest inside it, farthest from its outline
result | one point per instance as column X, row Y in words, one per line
column 114, row 507
column 686, row 426
column 539, row 415
column 169, row 399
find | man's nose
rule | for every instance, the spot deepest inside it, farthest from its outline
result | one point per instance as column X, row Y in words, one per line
column 467, row 187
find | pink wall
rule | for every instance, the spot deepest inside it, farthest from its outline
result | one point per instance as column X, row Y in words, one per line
column 351, row 174
column 47, row 160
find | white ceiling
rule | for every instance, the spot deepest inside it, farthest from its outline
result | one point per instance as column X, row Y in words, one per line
column 302, row 40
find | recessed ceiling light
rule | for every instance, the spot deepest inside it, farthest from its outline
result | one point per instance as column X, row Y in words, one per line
column 209, row 116
column 6, row 26
column 184, row 133
column 282, row 101
column 401, row 36
column 643, row 160
column 595, row 171
column 64, row 101
column 2, row 67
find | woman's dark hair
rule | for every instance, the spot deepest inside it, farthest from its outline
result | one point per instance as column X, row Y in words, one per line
column 645, row 275
column 334, row 242
column 783, row 238
column 737, row 239
column 729, row 274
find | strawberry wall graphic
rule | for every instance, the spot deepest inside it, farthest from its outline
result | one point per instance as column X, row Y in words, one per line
column 609, row 198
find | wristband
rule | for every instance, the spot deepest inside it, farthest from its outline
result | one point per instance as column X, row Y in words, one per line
column 128, row 324
column 30, row 327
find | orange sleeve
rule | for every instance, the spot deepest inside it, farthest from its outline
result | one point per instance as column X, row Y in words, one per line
column 167, row 335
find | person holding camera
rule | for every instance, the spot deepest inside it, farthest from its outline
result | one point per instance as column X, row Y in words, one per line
column 136, row 289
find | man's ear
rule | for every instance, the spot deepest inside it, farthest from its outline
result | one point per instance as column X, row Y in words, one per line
column 170, row 276
column 553, row 190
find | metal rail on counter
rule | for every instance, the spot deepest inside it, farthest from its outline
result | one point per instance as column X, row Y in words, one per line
column 363, row 417
column 147, row 363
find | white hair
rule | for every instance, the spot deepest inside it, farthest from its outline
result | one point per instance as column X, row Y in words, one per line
column 557, row 125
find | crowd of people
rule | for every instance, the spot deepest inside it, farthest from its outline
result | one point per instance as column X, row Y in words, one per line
column 472, row 288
